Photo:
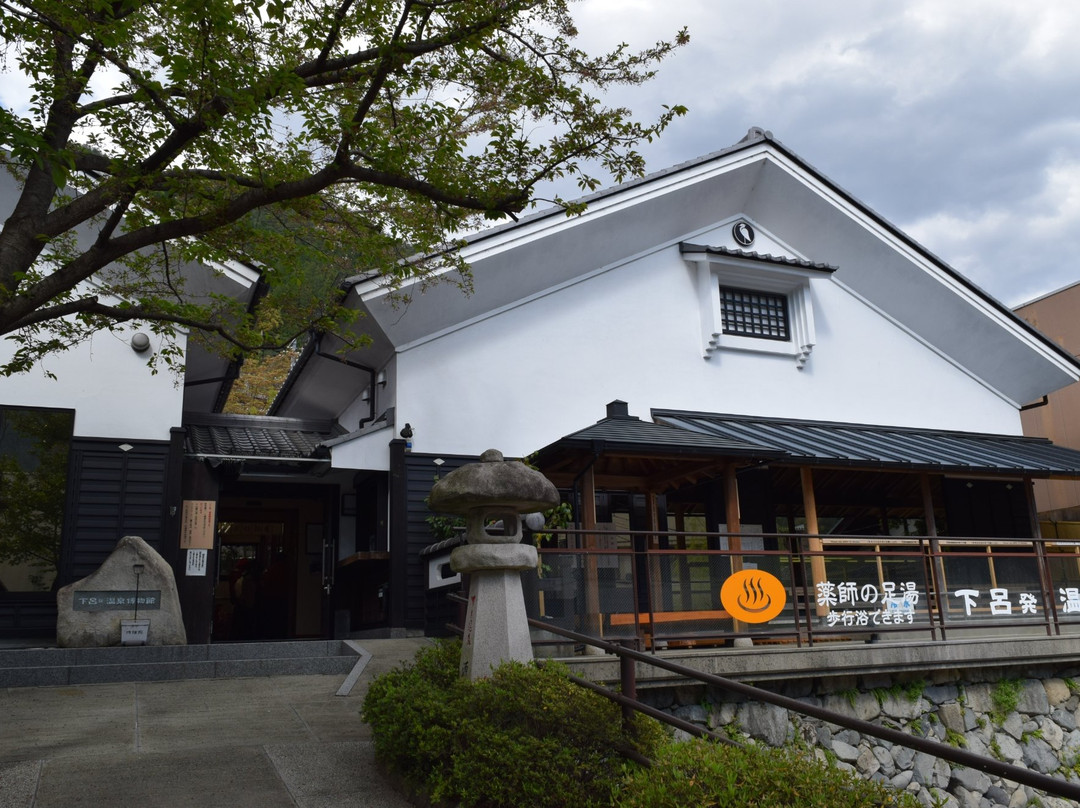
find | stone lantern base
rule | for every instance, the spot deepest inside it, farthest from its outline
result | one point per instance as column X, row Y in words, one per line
column 496, row 625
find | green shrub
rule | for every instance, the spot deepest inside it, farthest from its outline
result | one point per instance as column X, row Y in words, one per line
column 524, row 736
column 531, row 737
column 703, row 773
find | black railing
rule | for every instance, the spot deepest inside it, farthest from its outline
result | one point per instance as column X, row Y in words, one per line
column 627, row 699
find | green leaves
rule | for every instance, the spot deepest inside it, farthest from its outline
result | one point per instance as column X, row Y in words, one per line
column 382, row 126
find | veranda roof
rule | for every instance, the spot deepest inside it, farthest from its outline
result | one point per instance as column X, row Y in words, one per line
column 837, row 444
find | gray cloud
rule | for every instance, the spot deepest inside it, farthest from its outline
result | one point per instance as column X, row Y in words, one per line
column 955, row 121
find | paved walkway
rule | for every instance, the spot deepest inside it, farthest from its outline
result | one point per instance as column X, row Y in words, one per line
column 260, row 742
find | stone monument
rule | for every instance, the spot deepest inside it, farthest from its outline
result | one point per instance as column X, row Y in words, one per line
column 487, row 493
column 134, row 581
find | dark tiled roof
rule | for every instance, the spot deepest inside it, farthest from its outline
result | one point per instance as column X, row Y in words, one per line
column 632, row 434
column 845, row 444
column 686, row 247
column 251, row 436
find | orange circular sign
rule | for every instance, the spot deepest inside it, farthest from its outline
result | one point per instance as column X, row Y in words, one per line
column 753, row 596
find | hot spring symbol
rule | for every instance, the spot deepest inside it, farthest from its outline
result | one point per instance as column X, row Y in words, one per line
column 753, row 596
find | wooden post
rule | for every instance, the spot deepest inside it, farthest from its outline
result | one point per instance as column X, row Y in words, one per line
column 685, row 597
column 935, row 548
column 1045, row 578
column 656, row 578
column 733, row 516
column 733, row 519
column 592, row 583
column 817, row 562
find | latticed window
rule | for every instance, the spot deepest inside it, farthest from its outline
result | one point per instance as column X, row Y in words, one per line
column 747, row 313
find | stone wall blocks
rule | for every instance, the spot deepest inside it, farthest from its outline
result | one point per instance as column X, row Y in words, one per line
column 923, row 766
column 978, row 697
column 1014, row 725
column 1009, row 747
column 952, row 716
column 692, row 712
column 1057, row 692
column 1066, row 719
column 766, row 722
column 864, row 706
column 903, row 757
column 1051, row 733
column 996, row 795
column 941, row 693
column 976, row 746
column 867, row 763
column 901, row 707
column 845, row 751
column 942, row 773
column 900, row 781
column 968, row 799
column 885, row 758
column 1072, row 740
column 849, row 736
column 1039, row 756
column 1033, row 700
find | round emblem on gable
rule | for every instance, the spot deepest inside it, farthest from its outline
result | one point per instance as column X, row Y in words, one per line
column 743, row 234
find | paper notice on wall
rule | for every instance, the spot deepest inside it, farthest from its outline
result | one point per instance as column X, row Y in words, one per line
column 196, row 562
column 197, row 524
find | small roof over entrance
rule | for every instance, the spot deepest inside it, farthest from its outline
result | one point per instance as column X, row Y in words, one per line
column 290, row 445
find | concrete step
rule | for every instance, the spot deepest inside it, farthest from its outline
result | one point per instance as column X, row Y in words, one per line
column 37, row 667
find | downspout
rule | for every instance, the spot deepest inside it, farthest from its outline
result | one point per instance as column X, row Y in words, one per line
column 319, row 352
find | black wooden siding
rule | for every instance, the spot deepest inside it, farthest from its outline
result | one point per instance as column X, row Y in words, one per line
column 113, row 494
column 422, row 611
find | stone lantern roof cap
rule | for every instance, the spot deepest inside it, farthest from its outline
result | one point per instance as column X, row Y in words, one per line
column 493, row 483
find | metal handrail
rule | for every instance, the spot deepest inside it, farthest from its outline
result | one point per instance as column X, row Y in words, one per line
column 932, row 551
column 628, row 685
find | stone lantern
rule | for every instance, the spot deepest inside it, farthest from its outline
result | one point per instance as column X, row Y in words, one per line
column 493, row 490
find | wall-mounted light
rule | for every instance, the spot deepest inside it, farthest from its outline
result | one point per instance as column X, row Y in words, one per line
column 366, row 395
column 140, row 343
column 380, row 379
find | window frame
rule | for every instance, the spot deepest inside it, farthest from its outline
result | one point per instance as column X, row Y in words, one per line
column 790, row 278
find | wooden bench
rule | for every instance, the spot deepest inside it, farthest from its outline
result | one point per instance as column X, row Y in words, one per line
column 646, row 620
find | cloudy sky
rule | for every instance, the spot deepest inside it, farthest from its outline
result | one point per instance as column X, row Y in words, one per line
column 956, row 120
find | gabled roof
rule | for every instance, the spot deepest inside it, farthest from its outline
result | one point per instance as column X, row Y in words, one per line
column 758, row 179
column 849, row 445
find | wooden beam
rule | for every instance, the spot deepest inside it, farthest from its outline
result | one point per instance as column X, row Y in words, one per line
column 817, row 562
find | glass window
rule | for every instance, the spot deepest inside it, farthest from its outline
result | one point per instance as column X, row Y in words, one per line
column 747, row 313
column 34, row 448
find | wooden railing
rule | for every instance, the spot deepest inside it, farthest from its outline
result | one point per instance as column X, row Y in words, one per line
column 642, row 585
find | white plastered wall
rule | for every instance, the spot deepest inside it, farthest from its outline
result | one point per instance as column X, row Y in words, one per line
column 113, row 392
column 532, row 374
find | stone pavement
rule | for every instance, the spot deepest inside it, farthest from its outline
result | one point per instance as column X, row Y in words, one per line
column 262, row 742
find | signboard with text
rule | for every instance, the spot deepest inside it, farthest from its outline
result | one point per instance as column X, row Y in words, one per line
column 197, row 524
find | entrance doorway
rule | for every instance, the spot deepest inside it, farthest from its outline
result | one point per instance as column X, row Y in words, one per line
column 272, row 582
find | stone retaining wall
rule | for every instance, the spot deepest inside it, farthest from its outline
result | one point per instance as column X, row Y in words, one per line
column 1032, row 722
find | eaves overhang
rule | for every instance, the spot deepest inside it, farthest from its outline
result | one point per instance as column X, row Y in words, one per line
column 851, row 445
